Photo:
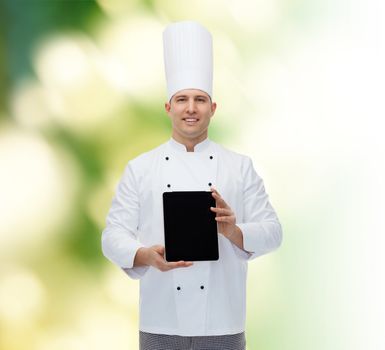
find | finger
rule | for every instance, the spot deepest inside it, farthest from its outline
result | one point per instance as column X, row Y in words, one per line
column 224, row 211
column 216, row 195
column 158, row 248
column 178, row 263
column 229, row 219
column 220, row 200
column 175, row 264
column 214, row 191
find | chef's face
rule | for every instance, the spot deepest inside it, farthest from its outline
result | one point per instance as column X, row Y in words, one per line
column 190, row 111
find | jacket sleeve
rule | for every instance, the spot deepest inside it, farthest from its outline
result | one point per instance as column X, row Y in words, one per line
column 262, row 232
column 119, row 238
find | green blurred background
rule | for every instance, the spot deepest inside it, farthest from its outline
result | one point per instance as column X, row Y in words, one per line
column 299, row 88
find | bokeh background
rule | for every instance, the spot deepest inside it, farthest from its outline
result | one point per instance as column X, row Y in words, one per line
column 300, row 88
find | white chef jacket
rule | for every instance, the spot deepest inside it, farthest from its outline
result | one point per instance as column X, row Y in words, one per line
column 209, row 297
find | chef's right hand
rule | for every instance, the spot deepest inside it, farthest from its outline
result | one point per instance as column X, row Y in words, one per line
column 154, row 256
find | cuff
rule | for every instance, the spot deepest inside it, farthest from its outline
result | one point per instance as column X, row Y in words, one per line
column 136, row 272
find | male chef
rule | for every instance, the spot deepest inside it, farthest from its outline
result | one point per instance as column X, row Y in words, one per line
column 190, row 304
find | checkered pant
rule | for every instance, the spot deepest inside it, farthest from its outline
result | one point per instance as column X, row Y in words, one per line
column 150, row 341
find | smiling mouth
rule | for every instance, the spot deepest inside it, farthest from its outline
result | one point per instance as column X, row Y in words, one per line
column 190, row 120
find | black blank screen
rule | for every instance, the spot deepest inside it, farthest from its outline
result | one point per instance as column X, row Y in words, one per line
column 190, row 227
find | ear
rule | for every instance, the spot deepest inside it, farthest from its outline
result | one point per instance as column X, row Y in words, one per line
column 167, row 107
column 213, row 108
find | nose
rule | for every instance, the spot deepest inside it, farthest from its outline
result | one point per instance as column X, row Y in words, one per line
column 191, row 105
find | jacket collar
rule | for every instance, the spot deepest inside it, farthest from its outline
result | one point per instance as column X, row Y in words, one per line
column 199, row 147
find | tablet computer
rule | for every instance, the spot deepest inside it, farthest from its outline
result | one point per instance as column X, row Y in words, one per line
column 190, row 228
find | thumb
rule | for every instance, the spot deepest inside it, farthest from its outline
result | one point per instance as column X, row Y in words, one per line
column 159, row 249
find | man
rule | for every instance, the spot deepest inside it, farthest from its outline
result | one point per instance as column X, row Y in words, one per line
column 186, row 304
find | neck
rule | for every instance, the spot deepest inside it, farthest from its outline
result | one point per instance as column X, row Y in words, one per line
column 189, row 143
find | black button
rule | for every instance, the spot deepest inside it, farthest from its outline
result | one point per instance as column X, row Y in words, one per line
column 210, row 183
column 202, row 287
column 167, row 158
column 211, row 157
column 178, row 288
column 168, row 185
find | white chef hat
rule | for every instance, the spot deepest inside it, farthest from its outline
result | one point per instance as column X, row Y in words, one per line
column 188, row 57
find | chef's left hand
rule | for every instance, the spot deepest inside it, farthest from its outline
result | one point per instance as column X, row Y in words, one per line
column 225, row 216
